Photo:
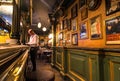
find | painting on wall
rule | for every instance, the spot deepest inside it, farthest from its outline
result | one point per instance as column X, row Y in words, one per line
column 84, row 13
column 61, row 26
column 112, row 6
column 74, row 12
column 82, row 3
column 95, row 27
column 69, row 24
column 113, row 30
column 75, row 39
column 74, row 24
column 60, row 36
column 68, row 38
column 84, row 30
column 65, row 23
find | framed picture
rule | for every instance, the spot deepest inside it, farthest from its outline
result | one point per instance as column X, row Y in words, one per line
column 95, row 27
column 75, row 39
column 68, row 38
column 61, row 26
column 74, row 12
column 84, row 13
column 93, row 4
column 82, row 3
column 112, row 6
column 69, row 24
column 84, row 30
column 60, row 36
column 74, row 24
column 113, row 30
column 65, row 23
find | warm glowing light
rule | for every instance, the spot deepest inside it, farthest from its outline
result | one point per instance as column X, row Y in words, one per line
column 44, row 29
column 39, row 25
column 21, row 24
column 50, row 36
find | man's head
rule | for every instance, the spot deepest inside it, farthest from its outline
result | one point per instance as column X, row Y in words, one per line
column 31, row 32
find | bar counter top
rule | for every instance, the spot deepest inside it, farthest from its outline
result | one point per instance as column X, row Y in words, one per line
column 12, row 46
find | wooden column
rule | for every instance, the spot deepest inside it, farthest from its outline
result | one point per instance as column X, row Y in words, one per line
column 15, row 30
column 54, row 41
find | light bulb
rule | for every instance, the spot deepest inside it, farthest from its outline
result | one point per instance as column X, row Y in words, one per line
column 39, row 25
column 44, row 29
column 50, row 36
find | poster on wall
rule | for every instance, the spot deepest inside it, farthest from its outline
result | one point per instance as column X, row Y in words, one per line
column 83, row 30
column 65, row 21
column 61, row 26
column 60, row 36
column 112, row 6
column 74, row 11
column 69, row 24
column 82, row 3
column 68, row 38
column 84, row 13
column 74, row 24
column 75, row 39
column 95, row 27
column 113, row 30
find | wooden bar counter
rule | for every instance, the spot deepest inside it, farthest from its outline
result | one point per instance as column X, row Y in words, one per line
column 13, row 59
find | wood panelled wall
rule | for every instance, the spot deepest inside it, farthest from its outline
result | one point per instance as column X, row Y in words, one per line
column 95, row 43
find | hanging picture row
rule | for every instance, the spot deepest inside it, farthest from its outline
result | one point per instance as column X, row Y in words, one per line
column 84, row 26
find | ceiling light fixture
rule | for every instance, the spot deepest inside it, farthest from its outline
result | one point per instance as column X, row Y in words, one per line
column 44, row 29
column 39, row 25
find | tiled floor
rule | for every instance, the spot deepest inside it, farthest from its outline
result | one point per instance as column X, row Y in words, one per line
column 41, row 65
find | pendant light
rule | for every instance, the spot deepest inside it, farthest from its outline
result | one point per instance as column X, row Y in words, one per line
column 39, row 25
column 44, row 29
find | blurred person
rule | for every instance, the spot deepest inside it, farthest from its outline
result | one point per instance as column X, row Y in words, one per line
column 117, row 25
column 109, row 29
column 34, row 44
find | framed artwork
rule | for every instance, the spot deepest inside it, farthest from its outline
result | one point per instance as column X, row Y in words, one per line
column 61, row 26
column 113, row 30
column 69, row 24
column 60, row 36
column 82, row 3
column 95, row 27
column 74, row 24
column 84, row 30
column 74, row 12
column 68, row 38
column 112, row 6
column 93, row 4
column 75, row 39
column 84, row 13
column 65, row 23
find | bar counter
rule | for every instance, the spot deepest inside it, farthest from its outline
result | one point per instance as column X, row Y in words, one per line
column 13, row 62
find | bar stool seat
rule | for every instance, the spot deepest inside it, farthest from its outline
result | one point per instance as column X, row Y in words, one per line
column 46, row 75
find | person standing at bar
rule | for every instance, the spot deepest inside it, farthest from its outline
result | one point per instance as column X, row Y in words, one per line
column 33, row 43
